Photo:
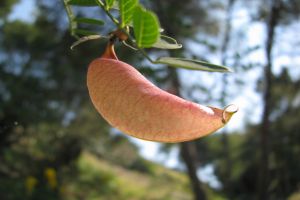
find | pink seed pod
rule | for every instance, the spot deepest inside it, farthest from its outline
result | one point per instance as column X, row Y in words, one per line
column 131, row 103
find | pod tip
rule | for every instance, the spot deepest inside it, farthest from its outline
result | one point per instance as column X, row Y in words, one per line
column 228, row 112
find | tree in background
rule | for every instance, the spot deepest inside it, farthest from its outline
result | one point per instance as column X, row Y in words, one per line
column 277, row 12
column 245, row 160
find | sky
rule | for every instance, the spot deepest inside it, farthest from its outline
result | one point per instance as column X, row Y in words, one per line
column 23, row 11
column 245, row 100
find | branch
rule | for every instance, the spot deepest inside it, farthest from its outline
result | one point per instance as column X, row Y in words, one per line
column 73, row 25
column 113, row 19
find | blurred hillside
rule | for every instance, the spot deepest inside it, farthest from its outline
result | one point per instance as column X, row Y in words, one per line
column 96, row 178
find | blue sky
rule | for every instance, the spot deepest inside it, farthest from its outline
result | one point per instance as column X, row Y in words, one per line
column 23, row 11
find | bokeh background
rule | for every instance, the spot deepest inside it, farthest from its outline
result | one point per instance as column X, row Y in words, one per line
column 54, row 145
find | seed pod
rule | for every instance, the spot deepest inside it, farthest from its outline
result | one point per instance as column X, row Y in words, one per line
column 131, row 103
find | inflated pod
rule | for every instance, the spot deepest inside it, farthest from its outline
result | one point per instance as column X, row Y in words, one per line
column 131, row 103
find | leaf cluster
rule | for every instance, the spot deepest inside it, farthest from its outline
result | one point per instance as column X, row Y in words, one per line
column 141, row 28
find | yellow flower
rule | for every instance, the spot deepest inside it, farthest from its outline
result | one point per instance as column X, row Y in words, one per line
column 30, row 184
column 51, row 178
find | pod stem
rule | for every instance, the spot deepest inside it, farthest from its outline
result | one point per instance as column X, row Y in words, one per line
column 110, row 50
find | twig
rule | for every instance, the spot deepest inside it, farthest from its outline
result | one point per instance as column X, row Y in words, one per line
column 101, row 4
column 116, row 22
column 73, row 25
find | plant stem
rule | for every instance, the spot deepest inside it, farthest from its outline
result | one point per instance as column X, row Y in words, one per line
column 146, row 55
column 138, row 48
column 113, row 19
column 73, row 25
column 116, row 22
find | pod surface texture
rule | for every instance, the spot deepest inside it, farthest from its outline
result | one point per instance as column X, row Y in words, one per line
column 131, row 103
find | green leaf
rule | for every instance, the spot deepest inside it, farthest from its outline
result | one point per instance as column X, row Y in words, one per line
column 146, row 27
column 126, row 10
column 84, row 32
column 192, row 64
column 166, row 42
column 109, row 4
column 83, row 2
column 89, row 21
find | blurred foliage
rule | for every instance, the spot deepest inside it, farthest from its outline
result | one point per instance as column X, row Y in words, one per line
column 285, row 148
column 115, row 182
column 6, row 6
